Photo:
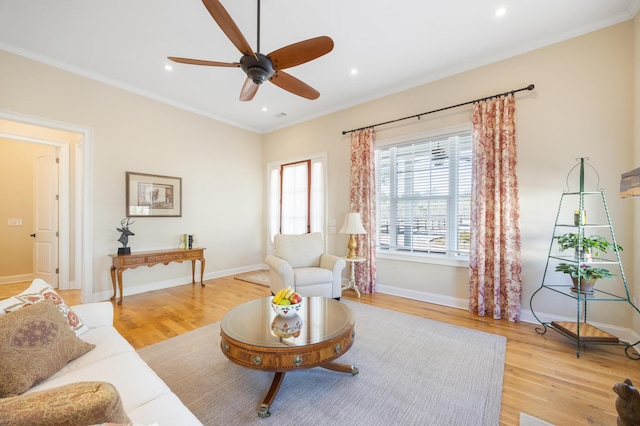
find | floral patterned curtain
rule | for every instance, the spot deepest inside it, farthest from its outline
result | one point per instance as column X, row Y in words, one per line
column 363, row 201
column 495, row 283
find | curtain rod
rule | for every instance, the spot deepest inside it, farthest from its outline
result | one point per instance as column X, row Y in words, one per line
column 529, row 87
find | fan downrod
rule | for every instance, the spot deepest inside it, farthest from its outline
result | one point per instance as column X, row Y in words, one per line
column 259, row 70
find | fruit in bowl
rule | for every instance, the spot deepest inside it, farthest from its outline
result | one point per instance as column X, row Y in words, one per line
column 286, row 302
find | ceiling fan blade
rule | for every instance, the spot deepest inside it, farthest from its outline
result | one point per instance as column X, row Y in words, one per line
column 291, row 84
column 203, row 62
column 301, row 52
column 249, row 89
column 226, row 24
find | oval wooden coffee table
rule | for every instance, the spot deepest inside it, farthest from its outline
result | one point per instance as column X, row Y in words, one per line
column 253, row 336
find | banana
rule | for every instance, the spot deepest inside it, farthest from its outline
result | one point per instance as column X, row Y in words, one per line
column 289, row 293
column 280, row 295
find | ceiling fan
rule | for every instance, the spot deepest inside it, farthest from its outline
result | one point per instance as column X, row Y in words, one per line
column 258, row 67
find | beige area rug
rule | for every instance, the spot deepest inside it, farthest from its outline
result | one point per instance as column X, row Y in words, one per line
column 528, row 420
column 256, row 277
column 413, row 371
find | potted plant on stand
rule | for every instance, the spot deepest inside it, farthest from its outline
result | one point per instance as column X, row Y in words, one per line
column 586, row 247
column 584, row 276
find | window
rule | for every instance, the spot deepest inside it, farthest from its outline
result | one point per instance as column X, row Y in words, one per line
column 423, row 193
column 297, row 196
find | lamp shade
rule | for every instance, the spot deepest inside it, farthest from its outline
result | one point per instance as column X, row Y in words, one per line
column 352, row 224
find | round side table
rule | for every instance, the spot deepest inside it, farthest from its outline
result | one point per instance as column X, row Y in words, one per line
column 352, row 277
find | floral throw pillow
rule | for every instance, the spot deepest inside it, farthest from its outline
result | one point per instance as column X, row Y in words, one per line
column 40, row 291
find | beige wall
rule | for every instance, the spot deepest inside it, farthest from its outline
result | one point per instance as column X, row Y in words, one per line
column 582, row 107
column 220, row 166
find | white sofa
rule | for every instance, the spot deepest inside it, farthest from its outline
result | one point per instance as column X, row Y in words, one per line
column 146, row 399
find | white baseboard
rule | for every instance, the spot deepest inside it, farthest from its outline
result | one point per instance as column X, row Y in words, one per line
column 624, row 334
column 16, row 278
column 174, row 282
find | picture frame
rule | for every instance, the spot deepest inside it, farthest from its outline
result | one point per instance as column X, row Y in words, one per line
column 153, row 195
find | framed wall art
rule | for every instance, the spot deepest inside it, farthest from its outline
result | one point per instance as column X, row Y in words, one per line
column 153, row 195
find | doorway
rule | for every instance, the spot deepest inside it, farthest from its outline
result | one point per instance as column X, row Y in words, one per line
column 75, row 238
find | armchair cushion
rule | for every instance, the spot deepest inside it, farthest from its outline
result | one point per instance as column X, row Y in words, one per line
column 299, row 261
column 299, row 250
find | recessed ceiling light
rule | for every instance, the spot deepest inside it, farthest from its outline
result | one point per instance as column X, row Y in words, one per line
column 354, row 71
column 265, row 109
column 168, row 67
column 501, row 12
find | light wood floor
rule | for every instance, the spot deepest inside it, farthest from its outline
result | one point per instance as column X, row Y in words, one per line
column 542, row 376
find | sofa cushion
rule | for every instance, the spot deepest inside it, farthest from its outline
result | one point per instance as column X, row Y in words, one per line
column 37, row 292
column 135, row 380
column 85, row 403
column 35, row 342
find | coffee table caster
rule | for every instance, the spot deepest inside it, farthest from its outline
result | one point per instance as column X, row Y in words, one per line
column 263, row 412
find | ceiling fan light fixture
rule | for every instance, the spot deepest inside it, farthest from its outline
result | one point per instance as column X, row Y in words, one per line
column 259, row 70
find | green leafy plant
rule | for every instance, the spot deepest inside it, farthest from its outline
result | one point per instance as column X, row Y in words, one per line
column 585, row 271
column 589, row 243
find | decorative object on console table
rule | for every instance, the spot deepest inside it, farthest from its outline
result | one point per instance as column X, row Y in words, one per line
column 121, row 263
column 125, row 234
column 153, row 195
column 352, row 226
column 187, row 241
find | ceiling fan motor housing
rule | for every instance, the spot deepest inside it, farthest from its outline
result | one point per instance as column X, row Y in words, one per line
column 259, row 70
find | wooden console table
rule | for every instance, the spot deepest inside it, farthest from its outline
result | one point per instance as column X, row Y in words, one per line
column 149, row 258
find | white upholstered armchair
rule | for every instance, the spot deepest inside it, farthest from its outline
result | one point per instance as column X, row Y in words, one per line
column 300, row 261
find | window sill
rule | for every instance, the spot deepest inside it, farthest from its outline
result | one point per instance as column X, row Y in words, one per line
column 424, row 258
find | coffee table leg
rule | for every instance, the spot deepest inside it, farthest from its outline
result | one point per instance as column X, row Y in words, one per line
column 271, row 395
column 342, row 368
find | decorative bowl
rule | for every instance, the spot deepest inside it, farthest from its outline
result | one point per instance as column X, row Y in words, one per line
column 286, row 311
column 286, row 327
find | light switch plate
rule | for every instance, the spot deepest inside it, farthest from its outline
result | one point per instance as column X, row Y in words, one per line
column 15, row 222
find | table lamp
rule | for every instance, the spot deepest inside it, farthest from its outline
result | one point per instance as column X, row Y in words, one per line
column 353, row 226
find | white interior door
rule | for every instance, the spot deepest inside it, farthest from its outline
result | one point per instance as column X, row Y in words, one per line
column 46, row 217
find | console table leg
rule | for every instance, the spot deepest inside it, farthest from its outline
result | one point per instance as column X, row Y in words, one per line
column 113, row 281
column 202, row 262
column 120, row 285
column 271, row 395
column 193, row 271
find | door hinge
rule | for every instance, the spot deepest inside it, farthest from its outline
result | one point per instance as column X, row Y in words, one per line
column 57, row 197
column 57, row 233
column 57, row 160
column 57, row 271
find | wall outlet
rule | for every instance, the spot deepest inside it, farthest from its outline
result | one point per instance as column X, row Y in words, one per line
column 14, row 222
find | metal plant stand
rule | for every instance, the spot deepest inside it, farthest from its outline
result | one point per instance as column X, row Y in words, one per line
column 580, row 331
